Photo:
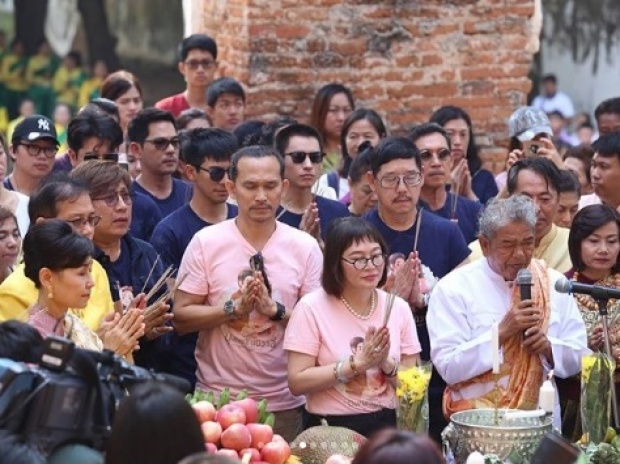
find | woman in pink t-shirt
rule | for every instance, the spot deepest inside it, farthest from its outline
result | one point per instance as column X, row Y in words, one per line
column 341, row 354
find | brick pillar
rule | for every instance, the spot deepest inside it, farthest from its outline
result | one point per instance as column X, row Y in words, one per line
column 403, row 58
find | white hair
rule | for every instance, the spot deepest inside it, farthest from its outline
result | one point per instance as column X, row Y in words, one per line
column 502, row 212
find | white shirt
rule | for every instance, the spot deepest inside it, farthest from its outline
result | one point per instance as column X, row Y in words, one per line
column 559, row 102
column 464, row 306
column 590, row 199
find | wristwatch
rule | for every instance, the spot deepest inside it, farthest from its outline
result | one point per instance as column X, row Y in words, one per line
column 229, row 309
column 280, row 312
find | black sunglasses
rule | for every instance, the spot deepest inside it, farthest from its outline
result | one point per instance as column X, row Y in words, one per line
column 299, row 157
column 216, row 173
column 101, row 157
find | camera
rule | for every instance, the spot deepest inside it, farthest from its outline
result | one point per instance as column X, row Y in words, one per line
column 71, row 396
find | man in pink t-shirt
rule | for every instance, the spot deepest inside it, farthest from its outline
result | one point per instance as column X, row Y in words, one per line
column 197, row 64
column 241, row 279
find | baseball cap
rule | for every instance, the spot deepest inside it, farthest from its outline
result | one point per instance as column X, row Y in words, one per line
column 35, row 127
column 527, row 122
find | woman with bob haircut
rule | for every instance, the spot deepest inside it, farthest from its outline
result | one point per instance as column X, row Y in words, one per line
column 341, row 354
column 154, row 425
column 594, row 247
column 59, row 261
column 399, row 447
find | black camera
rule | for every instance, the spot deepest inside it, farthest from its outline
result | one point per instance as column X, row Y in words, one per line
column 71, row 397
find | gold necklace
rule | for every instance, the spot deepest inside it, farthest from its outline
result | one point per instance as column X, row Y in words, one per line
column 355, row 313
column 586, row 301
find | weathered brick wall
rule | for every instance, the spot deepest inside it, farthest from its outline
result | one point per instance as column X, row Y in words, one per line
column 403, row 58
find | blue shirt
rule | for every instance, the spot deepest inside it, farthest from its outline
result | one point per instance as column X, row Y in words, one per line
column 144, row 216
column 179, row 196
column 484, row 186
column 328, row 211
column 170, row 239
column 467, row 212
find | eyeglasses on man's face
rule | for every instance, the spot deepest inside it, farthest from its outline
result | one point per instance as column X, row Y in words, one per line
column 216, row 173
column 392, row 181
column 101, row 157
column 112, row 199
column 91, row 220
column 161, row 143
column 299, row 157
column 35, row 150
column 443, row 154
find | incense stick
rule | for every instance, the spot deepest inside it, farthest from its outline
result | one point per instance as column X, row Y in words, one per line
column 150, row 273
column 454, row 204
column 168, row 294
column 417, row 230
column 389, row 303
column 160, row 283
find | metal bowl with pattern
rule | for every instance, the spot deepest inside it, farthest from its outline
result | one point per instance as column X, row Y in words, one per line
column 474, row 430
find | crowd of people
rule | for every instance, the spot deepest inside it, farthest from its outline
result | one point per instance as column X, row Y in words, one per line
column 306, row 263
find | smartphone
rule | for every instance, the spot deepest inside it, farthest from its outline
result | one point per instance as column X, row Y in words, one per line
column 530, row 148
column 555, row 449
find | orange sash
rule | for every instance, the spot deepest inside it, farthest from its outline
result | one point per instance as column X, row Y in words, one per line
column 525, row 371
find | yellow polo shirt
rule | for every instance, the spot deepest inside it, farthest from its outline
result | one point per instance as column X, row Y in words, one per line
column 18, row 293
column 553, row 248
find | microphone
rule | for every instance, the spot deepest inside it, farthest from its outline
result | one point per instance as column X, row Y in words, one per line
column 524, row 281
column 563, row 285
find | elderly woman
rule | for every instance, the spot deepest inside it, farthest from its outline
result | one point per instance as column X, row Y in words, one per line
column 58, row 261
column 342, row 354
column 10, row 242
column 534, row 334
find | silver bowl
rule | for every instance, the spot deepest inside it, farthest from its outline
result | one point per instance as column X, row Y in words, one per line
column 475, row 430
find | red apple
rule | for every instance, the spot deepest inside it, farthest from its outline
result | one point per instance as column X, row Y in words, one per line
column 261, row 434
column 211, row 448
column 275, row 452
column 230, row 414
column 228, row 452
column 211, row 431
column 251, row 409
column 254, row 454
column 204, row 410
column 236, row 437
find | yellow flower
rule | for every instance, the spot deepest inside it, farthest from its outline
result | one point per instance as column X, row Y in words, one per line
column 413, row 382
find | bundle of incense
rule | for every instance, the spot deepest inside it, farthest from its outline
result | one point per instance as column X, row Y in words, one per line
column 417, row 230
column 454, row 202
column 160, row 282
column 389, row 303
column 150, row 273
column 168, row 294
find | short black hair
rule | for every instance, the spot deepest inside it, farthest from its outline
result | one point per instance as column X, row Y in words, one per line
column 202, row 143
column 271, row 128
column 569, row 182
column 249, row 132
column 586, row 221
column 221, row 86
column 341, row 234
column 608, row 145
column 190, row 115
column 20, row 342
column 199, row 41
column 102, row 106
column 53, row 190
column 138, row 129
column 89, row 124
column 283, row 137
column 550, row 78
column 54, row 245
column 541, row 166
column 393, row 148
column 360, row 165
column 428, row 128
column 253, row 151
column 609, row 106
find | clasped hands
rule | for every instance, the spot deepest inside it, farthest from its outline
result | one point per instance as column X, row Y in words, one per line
column 374, row 351
column 255, row 297
column 405, row 281
column 523, row 318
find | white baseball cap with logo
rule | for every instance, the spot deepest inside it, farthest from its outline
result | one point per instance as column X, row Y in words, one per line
column 528, row 122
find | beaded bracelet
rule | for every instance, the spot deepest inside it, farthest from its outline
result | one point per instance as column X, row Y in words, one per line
column 338, row 374
column 394, row 371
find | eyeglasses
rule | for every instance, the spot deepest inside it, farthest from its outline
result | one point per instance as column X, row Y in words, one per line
column 81, row 222
column 361, row 263
column 216, row 173
column 161, row 143
column 101, row 157
column 195, row 64
column 443, row 154
column 35, row 150
column 112, row 199
column 410, row 180
column 299, row 157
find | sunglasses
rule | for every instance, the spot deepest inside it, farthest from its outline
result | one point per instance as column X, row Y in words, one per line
column 299, row 157
column 161, row 143
column 216, row 173
column 101, row 157
column 443, row 154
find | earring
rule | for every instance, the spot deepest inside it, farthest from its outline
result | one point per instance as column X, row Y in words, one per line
column 50, row 294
